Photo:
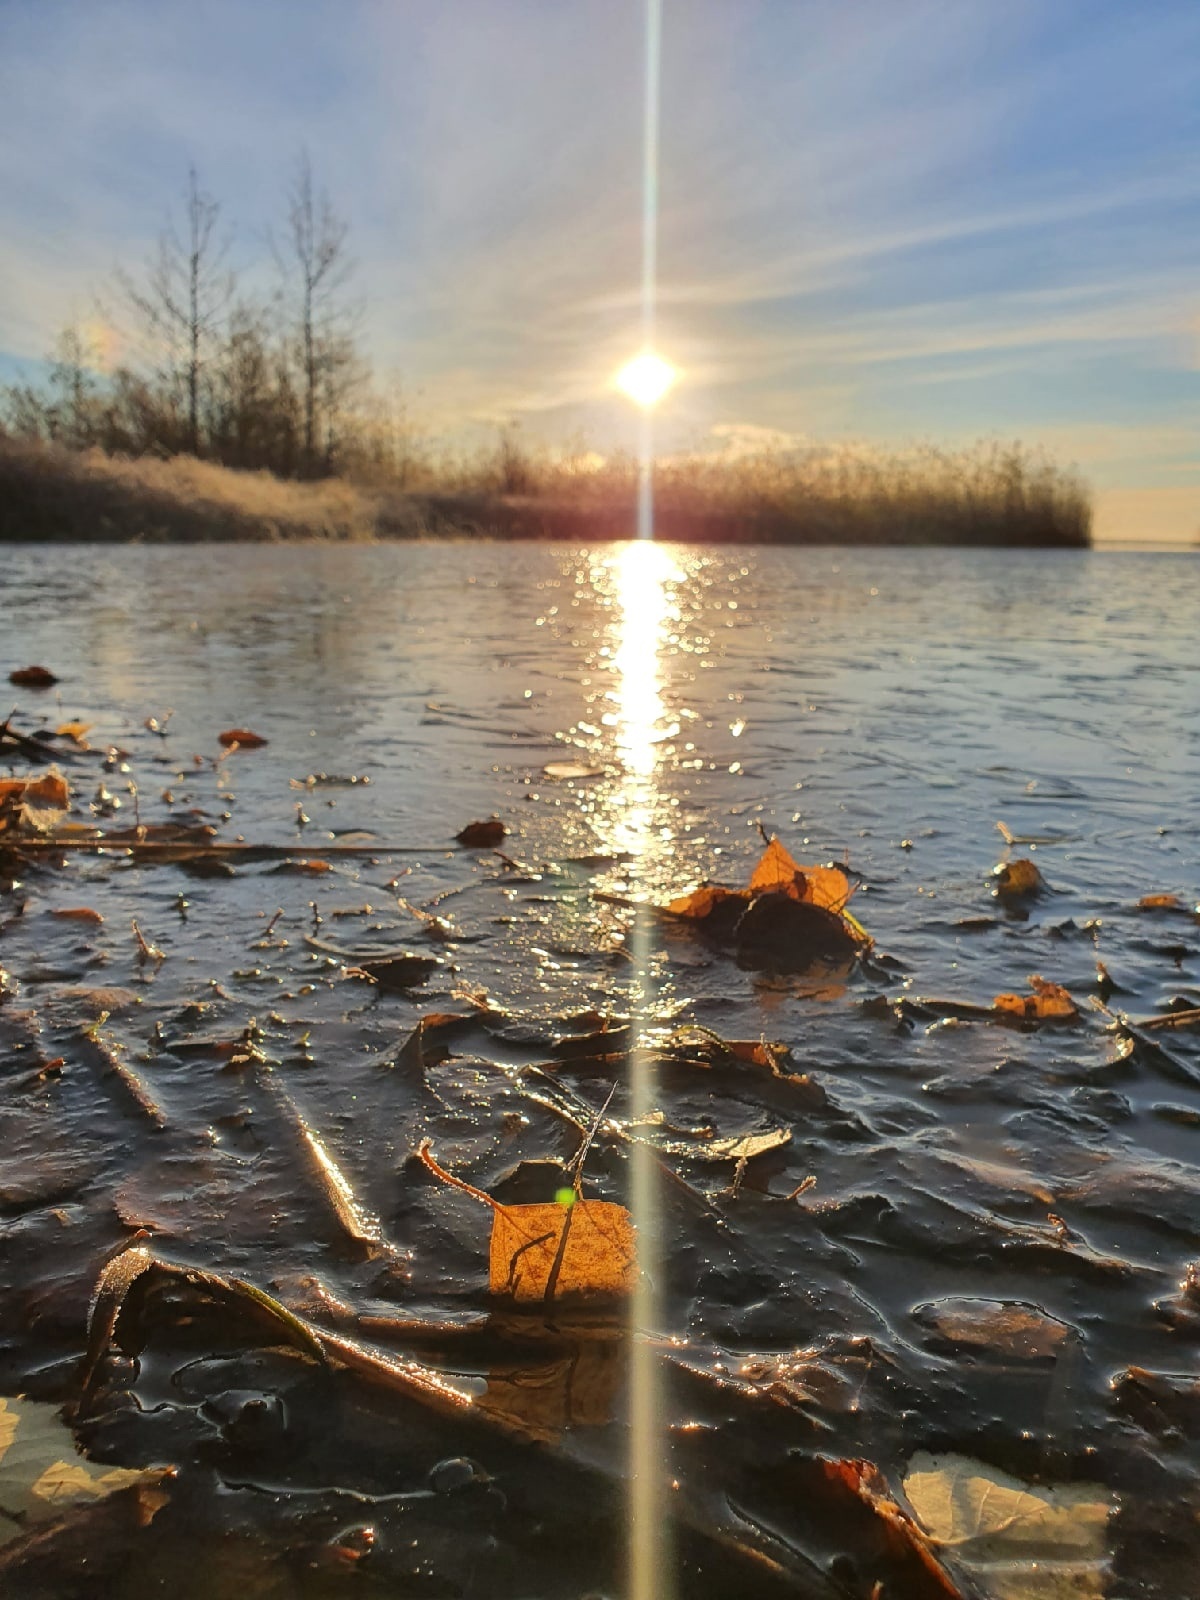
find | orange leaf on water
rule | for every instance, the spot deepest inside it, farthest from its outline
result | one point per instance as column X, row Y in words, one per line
column 546, row 1252
column 702, row 902
column 819, row 886
column 1049, row 1002
column 550, row 1251
column 242, row 737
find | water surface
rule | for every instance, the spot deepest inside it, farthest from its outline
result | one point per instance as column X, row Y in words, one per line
column 881, row 708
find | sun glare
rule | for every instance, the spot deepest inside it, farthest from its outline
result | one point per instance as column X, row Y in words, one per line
column 646, row 378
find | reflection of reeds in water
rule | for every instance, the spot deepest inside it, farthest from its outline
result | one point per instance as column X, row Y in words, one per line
column 986, row 494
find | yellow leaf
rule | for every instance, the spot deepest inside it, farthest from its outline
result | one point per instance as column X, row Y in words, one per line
column 546, row 1252
column 73, row 730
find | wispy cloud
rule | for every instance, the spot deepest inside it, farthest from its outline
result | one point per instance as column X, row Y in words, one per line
column 893, row 216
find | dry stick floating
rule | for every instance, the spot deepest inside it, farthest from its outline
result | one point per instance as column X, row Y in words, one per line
column 107, row 1055
column 359, row 1225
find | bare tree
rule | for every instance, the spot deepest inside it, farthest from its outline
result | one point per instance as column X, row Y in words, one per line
column 183, row 301
column 316, row 262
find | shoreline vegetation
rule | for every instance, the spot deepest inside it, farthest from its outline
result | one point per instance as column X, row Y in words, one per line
column 987, row 495
column 200, row 404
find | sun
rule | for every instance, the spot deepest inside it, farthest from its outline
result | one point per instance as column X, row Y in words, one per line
column 646, row 378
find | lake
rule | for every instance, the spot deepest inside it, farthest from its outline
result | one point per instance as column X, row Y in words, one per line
column 963, row 1248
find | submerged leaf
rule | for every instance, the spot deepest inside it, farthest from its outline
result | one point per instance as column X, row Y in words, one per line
column 42, row 1471
column 1017, row 1539
column 242, row 738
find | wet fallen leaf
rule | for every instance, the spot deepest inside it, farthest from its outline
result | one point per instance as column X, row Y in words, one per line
column 742, row 1147
column 483, row 835
column 310, row 866
column 425, row 1045
column 1018, row 880
column 904, row 1537
column 77, row 914
column 1002, row 1328
column 820, row 886
column 32, row 678
column 556, row 1250
column 548, row 1252
column 1019, row 1541
column 1049, row 1002
column 73, row 730
column 787, row 920
column 243, row 738
column 34, row 805
column 394, row 974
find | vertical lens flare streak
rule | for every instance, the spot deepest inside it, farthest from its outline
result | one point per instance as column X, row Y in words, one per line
column 645, row 501
column 642, row 572
column 643, row 604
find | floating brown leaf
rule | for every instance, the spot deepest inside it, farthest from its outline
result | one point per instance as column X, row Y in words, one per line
column 1018, row 880
column 788, row 919
column 241, row 738
column 394, row 974
column 77, row 914
column 32, row 678
column 547, row 1252
column 1049, row 1002
column 484, row 835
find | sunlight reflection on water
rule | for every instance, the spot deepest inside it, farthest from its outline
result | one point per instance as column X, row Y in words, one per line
column 642, row 573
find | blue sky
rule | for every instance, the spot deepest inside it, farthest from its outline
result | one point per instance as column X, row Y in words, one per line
column 912, row 219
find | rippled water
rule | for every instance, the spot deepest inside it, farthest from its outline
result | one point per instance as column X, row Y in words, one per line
column 884, row 708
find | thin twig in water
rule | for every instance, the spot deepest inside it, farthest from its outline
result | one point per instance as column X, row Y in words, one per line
column 145, row 950
column 581, row 1157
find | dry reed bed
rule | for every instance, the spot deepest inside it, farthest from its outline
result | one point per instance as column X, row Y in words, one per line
column 984, row 495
